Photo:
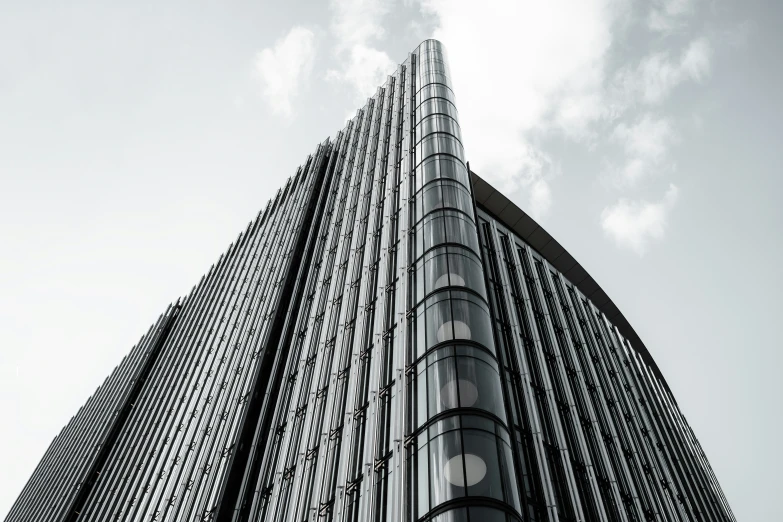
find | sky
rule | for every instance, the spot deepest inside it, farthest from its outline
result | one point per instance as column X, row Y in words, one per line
column 138, row 138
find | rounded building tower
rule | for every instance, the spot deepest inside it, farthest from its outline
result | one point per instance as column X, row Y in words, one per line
column 389, row 340
column 460, row 455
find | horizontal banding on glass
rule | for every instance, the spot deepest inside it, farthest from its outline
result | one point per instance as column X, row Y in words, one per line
column 433, row 78
column 451, row 315
column 439, row 143
column 430, row 45
column 474, row 514
column 442, row 194
column 430, row 55
column 445, row 226
column 436, row 123
column 461, row 456
column 436, row 106
column 432, row 66
column 441, row 166
column 448, row 266
column 434, row 90
column 457, row 377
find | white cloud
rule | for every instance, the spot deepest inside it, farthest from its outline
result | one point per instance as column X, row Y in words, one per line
column 695, row 63
column 647, row 141
column 537, row 65
column 540, row 197
column 648, row 137
column 658, row 74
column 667, row 15
column 365, row 68
column 634, row 224
column 357, row 21
column 355, row 25
column 739, row 36
column 283, row 68
column 646, row 144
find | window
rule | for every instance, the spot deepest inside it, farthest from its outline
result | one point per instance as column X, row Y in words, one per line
column 445, row 226
column 449, row 266
column 438, row 123
column 440, row 194
column 464, row 456
column 439, row 167
column 457, row 377
column 434, row 90
column 435, row 106
column 452, row 315
column 439, row 143
column 429, row 74
column 472, row 514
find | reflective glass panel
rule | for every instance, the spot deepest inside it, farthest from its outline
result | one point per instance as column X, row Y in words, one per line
column 453, row 315
column 438, row 123
column 446, row 477
column 465, row 461
column 423, row 480
column 486, row 514
column 445, row 226
column 434, row 90
column 455, row 515
column 449, row 266
column 463, row 378
column 437, row 167
column 436, row 106
column 439, row 143
column 443, row 194
column 508, row 474
column 482, row 466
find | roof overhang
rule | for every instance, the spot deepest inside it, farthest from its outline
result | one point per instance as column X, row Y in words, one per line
column 515, row 219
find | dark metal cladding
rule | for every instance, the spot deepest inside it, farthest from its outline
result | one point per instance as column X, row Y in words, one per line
column 390, row 339
column 591, row 414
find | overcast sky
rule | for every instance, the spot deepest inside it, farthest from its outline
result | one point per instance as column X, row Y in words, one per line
column 138, row 138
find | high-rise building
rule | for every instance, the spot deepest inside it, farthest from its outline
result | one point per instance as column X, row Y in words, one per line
column 391, row 339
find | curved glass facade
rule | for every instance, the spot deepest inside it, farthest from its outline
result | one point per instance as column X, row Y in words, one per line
column 389, row 340
column 463, row 450
column 457, row 377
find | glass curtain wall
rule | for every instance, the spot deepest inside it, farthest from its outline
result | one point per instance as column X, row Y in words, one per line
column 459, row 445
column 378, row 346
column 597, row 436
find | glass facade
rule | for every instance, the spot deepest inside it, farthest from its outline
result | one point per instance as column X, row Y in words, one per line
column 379, row 345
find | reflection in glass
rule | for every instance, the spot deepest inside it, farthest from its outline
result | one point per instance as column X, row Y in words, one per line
column 436, row 106
column 475, row 469
column 455, row 515
column 449, row 279
column 446, row 226
column 464, row 460
column 440, row 194
column 434, row 91
column 486, row 514
column 449, row 266
column 458, row 391
column 439, row 143
column 452, row 315
column 423, row 480
column 457, row 377
column 442, row 448
column 484, row 445
column 438, row 123
column 453, row 330
column 439, row 167
column 507, row 470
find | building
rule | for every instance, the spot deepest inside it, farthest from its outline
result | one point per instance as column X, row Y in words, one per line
column 390, row 339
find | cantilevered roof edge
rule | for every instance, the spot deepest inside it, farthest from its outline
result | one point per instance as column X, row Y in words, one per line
column 517, row 220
